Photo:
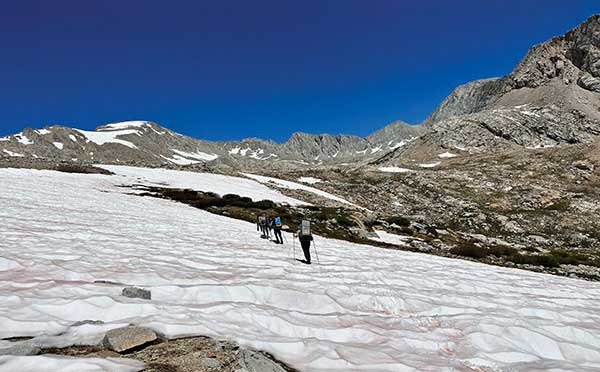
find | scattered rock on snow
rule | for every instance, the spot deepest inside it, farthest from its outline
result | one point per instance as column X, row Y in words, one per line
column 135, row 292
column 253, row 361
column 127, row 338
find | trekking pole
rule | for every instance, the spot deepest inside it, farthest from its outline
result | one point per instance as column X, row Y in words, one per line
column 316, row 253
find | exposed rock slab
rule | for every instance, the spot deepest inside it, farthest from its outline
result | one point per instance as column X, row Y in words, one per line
column 253, row 361
column 128, row 338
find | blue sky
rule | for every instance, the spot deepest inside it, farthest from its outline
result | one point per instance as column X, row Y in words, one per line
column 234, row 69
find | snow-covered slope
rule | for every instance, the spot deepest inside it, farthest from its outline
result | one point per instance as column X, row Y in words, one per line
column 217, row 183
column 362, row 309
column 297, row 186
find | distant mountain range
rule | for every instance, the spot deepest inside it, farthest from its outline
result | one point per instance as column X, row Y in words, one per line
column 551, row 98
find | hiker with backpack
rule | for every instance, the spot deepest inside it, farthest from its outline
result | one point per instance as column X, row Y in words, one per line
column 276, row 225
column 261, row 225
column 305, row 237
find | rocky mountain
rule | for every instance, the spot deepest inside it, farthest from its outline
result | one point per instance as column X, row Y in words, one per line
column 551, row 98
column 147, row 143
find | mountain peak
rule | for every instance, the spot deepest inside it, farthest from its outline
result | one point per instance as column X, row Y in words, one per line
column 124, row 125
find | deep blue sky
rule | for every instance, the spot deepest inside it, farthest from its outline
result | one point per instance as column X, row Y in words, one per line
column 234, row 69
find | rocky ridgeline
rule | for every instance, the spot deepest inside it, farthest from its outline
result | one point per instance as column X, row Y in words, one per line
column 149, row 144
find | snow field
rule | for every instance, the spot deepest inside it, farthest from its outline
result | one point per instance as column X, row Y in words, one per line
column 48, row 363
column 297, row 186
column 363, row 308
column 206, row 182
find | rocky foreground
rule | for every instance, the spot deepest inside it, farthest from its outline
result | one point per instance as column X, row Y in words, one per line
column 193, row 354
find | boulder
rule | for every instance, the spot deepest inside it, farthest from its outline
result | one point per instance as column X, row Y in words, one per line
column 587, row 81
column 583, row 165
column 127, row 338
column 135, row 292
column 253, row 361
column 210, row 363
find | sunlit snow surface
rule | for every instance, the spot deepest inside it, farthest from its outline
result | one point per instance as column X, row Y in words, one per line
column 363, row 308
column 386, row 237
column 296, row 186
column 216, row 183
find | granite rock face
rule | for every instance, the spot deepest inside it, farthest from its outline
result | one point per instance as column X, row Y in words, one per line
column 466, row 99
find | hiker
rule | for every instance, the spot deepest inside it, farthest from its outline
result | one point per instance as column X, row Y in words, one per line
column 261, row 225
column 268, row 223
column 276, row 225
column 305, row 238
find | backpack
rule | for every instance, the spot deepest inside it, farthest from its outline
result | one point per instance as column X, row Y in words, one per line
column 263, row 220
column 305, row 228
column 278, row 221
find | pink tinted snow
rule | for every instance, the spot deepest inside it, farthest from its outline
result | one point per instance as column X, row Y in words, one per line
column 363, row 308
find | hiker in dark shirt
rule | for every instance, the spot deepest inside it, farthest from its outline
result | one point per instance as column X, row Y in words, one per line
column 305, row 237
column 276, row 225
column 261, row 225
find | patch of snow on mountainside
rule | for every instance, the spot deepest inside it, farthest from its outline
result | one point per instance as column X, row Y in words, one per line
column 234, row 151
column 58, row 145
column 540, row 146
column 254, row 156
column 43, row 132
column 73, row 138
column 217, row 183
column 123, row 125
column 13, row 154
column 198, row 155
column 22, row 139
column 3, row 139
column 447, row 155
column 395, row 170
column 180, row 160
column 296, row 186
column 386, row 237
column 376, row 149
column 401, row 143
column 309, row 180
column 100, row 138
column 362, row 309
column 429, row 165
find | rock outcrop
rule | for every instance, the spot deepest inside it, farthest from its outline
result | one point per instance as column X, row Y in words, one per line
column 128, row 338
